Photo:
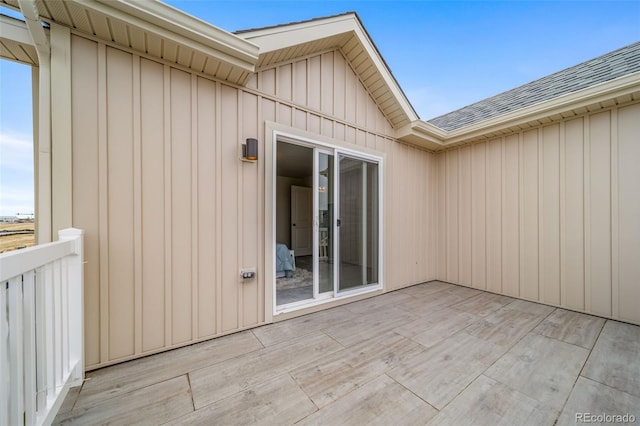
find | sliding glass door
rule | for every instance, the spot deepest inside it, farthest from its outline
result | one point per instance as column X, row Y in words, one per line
column 343, row 213
column 358, row 223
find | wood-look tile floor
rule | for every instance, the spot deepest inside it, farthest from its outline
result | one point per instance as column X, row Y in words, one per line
column 434, row 353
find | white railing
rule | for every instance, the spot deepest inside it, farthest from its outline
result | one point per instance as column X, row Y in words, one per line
column 41, row 328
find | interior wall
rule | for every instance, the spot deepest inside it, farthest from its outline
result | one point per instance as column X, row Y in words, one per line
column 283, row 206
column 170, row 213
column 550, row 214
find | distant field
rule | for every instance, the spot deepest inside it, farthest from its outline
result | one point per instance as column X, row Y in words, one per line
column 16, row 241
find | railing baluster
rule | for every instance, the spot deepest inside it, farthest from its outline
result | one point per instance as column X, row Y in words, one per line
column 4, row 360
column 64, row 304
column 16, row 348
column 29, row 347
column 57, row 311
column 41, row 341
column 50, row 331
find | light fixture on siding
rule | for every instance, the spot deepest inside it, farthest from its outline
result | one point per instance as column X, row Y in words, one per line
column 250, row 150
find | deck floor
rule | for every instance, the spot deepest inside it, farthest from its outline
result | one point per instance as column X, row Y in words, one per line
column 433, row 353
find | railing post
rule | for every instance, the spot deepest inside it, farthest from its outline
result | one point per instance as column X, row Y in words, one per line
column 76, row 301
column 4, row 359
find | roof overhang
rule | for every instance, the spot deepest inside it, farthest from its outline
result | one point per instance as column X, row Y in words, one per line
column 156, row 29
column 604, row 95
column 16, row 43
column 346, row 32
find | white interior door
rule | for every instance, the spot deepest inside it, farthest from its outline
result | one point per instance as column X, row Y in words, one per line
column 301, row 220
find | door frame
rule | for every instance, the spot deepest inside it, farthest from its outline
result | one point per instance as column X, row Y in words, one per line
column 274, row 133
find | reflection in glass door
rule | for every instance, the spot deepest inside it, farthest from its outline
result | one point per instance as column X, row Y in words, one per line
column 325, row 221
column 358, row 223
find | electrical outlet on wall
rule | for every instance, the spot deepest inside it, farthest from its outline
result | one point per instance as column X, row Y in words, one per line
column 248, row 273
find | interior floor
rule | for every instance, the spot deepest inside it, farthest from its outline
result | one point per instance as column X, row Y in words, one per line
column 348, row 274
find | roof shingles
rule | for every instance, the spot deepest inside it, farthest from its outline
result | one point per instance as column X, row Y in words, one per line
column 607, row 67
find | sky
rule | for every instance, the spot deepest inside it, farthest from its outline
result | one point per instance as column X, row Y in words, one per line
column 444, row 54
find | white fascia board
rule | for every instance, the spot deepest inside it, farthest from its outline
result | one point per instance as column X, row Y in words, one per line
column 386, row 73
column 169, row 23
column 423, row 134
column 285, row 36
column 14, row 30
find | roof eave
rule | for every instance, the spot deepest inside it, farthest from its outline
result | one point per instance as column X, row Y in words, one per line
column 165, row 23
column 425, row 134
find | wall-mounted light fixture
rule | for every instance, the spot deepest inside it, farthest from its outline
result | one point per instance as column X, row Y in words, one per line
column 250, row 150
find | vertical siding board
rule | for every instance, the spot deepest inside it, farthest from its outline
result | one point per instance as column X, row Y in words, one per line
column 195, row 225
column 629, row 212
column 326, row 82
column 511, row 214
column 442, row 214
column 207, row 196
column 103, row 203
column 615, row 215
column 86, row 212
column 229, row 237
column 350, row 95
column 464, row 224
column 339, row 85
column 120, row 210
column 478, row 216
column 239, row 207
column 152, row 193
column 600, row 208
column 425, row 215
column 362, row 98
column 574, row 214
column 494, row 215
column 285, row 113
column 587, row 212
column 218, row 205
column 250, row 213
column 452, row 215
column 181, row 206
column 434, row 218
column 137, row 204
column 562, row 197
column 267, row 81
column 300, row 82
column 314, row 88
column 284, row 82
column 550, row 274
column 529, row 216
column 261, row 235
column 167, row 184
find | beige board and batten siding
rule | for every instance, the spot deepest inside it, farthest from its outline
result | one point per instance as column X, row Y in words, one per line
column 171, row 214
column 548, row 214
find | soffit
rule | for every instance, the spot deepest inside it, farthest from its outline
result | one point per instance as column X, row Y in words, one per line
column 345, row 32
column 15, row 42
column 156, row 29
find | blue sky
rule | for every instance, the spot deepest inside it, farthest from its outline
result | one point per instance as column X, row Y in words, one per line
column 445, row 55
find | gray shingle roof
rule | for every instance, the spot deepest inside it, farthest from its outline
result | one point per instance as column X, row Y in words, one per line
column 598, row 70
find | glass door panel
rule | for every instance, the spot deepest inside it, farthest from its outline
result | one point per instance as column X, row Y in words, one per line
column 358, row 223
column 325, row 221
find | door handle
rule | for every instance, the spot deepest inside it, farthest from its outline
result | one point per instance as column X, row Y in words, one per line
column 293, row 224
